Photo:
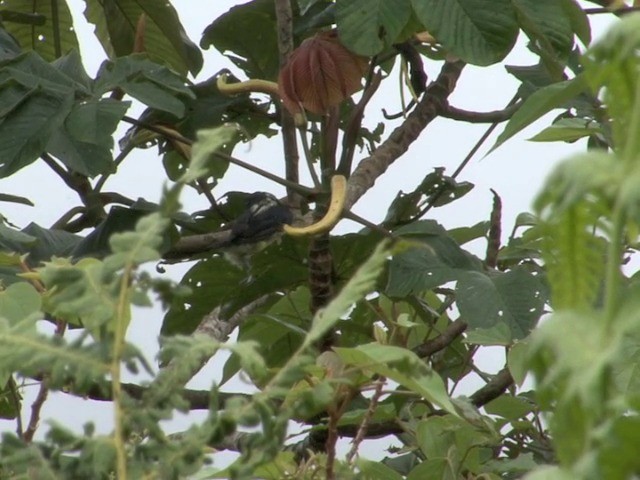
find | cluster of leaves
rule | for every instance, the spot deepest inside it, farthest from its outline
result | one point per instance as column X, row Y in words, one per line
column 401, row 311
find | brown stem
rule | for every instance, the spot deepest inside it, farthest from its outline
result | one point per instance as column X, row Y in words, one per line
column 442, row 341
column 43, row 393
column 362, row 430
column 284, row 16
column 492, row 390
column 480, row 117
column 353, row 125
column 495, row 232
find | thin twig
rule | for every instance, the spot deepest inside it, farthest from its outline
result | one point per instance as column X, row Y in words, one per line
column 309, row 158
column 43, row 393
column 362, row 430
column 436, row 196
column 614, row 11
column 116, row 163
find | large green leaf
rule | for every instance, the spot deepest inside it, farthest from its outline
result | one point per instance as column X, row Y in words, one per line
column 25, row 132
column 48, row 243
column 43, row 26
column 85, row 141
column 402, row 366
column 547, row 23
column 515, row 298
column 152, row 84
column 165, row 40
column 480, row 32
column 9, row 47
column 437, row 259
column 369, row 26
column 279, row 267
column 539, row 103
column 255, row 53
column 19, row 301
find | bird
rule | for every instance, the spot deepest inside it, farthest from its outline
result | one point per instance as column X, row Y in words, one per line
column 259, row 225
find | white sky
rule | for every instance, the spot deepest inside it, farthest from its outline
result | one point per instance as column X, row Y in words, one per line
column 516, row 171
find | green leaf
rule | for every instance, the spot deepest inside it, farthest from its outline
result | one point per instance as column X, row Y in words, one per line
column 24, row 350
column 517, row 361
column 402, row 366
column 579, row 20
column 9, row 396
column 80, row 292
column 255, row 54
column 567, row 130
column 437, row 260
column 367, row 27
column 370, row 470
column 203, row 162
column 480, row 32
column 25, row 132
column 152, row 84
column 510, row 407
column 85, row 141
column 135, row 248
column 612, row 63
column 7, row 197
column 9, row 47
column 44, row 31
column 539, row 103
column 515, row 298
column 361, row 284
column 119, row 219
column 498, row 334
column 19, row 301
column 433, row 469
column 278, row 330
column 548, row 26
column 165, row 40
column 436, row 189
column 574, row 257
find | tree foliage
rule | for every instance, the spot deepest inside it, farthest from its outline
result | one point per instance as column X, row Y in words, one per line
column 355, row 336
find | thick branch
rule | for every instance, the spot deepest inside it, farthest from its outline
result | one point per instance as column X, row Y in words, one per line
column 428, row 108
column 442, row 341
column 492, row 390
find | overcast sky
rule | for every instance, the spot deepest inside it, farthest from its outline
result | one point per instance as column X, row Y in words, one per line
column 516, row 171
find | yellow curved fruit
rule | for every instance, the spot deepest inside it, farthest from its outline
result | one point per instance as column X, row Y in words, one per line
column 253, row 85
column 326, row 223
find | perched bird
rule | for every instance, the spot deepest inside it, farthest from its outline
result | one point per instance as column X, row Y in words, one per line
column 258, row 225
column 255, row 228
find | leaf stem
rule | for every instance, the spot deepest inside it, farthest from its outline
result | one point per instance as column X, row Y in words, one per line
column 118, row 346
column 308, row 158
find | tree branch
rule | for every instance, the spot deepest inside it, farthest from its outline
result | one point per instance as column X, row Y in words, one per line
column 442, row 341
column 284, row 17
column 494, row 116
column 492, row 390
column 429, row 107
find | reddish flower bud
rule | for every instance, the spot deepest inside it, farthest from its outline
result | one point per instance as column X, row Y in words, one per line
column 320, row 74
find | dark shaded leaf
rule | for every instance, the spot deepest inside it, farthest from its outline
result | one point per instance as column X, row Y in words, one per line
column 39, row 31
column 165, row 40
column 480, row 32
column 85, row 141
column 515, row 298
column 438, row 260
column 255, row 54
column 367, row 27
column 152, row 84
